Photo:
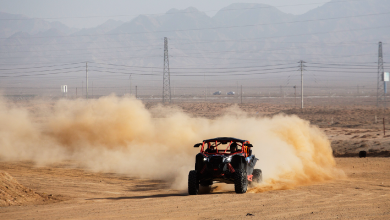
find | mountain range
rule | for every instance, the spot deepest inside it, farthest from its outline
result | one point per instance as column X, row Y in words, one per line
column 237, row 36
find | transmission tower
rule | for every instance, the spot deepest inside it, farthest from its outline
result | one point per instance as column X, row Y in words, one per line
column 166, row 75
column 380, row 95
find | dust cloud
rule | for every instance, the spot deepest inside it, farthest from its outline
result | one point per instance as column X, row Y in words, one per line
column 120, row 135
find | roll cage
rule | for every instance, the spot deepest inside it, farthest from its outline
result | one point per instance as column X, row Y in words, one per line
column 211, row 145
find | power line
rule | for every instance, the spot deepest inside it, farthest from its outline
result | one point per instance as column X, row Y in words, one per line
column 202, row 68
column 50, row 70
column 38, row 67
column 41, row 74
column 254, row 70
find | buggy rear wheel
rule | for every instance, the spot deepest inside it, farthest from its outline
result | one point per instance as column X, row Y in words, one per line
column 240, row 181
column 193, row 183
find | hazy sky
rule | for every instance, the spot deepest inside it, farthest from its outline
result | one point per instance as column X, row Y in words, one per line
column 131, row 8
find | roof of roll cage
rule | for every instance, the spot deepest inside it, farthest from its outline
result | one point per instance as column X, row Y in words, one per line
column 224, row 139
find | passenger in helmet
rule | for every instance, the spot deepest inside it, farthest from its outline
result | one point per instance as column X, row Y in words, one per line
column 233, row 147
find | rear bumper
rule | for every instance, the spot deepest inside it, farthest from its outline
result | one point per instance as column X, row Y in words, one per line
column 223, row 172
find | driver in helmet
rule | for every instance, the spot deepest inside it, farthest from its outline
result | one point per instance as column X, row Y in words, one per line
column 211, row 149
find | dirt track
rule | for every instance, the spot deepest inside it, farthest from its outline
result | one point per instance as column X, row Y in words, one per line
column 73, row 193
column 364, row 194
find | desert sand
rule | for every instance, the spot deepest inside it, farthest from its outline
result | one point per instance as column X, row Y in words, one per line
column 65, row 190
column 363, row 194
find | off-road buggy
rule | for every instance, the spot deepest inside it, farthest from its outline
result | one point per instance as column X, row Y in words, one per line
column 224, row 159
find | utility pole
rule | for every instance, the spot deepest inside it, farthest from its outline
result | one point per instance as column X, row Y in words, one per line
column 206, row 90
column 166, row 75
column 130, row 83
column 86, row 77
column 302, row 69
column 241, row 94
column 380, row 87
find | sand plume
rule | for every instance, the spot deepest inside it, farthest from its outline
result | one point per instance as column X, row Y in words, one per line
column 113, row 134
